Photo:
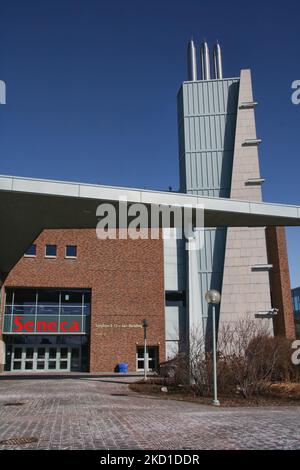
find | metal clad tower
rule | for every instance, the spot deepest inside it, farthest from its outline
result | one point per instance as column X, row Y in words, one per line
column 208, row 133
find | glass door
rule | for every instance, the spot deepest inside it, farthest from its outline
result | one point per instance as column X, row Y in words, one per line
column 17, row 358
column 28, row 363
column 45, row 358
column 52, row 358
column 22, row 358
column 151, row 358
column 57, row 358
column 64, row 358
column 40, row 359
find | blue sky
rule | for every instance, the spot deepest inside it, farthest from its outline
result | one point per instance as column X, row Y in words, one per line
column 91, row 88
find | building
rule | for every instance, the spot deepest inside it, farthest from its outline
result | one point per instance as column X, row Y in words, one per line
column 95, row 299
column 296, row 305
column 73, row 302
column 218, row 157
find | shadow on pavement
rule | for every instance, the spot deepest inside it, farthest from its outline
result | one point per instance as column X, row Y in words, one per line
column 113, row 378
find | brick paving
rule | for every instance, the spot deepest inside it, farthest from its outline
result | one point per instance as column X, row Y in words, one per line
column 88, row 412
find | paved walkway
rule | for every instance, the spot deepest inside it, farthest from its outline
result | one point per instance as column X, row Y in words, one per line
column 89, row 412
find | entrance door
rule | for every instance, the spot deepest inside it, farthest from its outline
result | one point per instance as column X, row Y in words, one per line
column 23, row 358
column 46, row 358
column 151, row 358
column 57, row 358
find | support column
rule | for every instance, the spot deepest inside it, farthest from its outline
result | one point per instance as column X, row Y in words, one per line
column 284, row 324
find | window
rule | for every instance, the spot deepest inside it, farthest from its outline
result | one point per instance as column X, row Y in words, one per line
column 23, row 296
column 50, row 251
column 71, row 251
column 175, row 298
column 21, row 301
column 48, row 302
column 72, row 302
column 296, row 300
column 31, row 251
column 47, row 305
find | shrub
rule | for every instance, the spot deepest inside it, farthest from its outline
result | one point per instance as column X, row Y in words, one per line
column 249, row 359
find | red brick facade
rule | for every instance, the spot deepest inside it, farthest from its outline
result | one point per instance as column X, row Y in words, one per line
column 127, row 282
column 284, row 324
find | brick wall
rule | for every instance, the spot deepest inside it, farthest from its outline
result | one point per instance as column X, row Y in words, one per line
column 280, row 282
column 126, row 278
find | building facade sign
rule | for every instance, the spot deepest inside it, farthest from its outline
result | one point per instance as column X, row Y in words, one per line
column 46, row 311
column 29, row 324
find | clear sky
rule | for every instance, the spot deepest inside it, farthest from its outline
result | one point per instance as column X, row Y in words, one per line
column 91, row 88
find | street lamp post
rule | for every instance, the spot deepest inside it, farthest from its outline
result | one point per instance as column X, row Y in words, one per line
column 213, row 297
column 145, row 326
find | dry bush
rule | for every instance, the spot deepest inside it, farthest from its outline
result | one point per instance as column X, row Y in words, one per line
column 249, row 359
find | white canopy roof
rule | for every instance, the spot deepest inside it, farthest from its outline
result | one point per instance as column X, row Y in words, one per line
column 27, row 206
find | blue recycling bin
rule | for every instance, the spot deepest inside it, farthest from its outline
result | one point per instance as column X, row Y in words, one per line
column 123, row 368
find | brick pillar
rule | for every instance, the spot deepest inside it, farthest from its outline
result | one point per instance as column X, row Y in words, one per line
column 284, row 324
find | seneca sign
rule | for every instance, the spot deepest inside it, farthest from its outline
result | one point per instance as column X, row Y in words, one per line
column 21, row 325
